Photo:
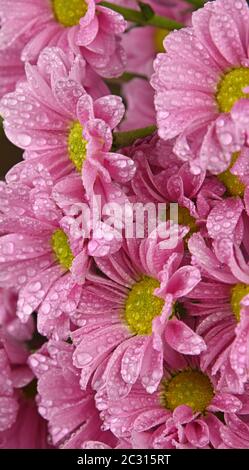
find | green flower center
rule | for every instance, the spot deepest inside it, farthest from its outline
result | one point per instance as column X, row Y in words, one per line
column 142, row 306
column 238, row 292
column 230, row 88
column 61, row 249
column 184, row 218
column 69, row 12
column 159, row 36
column 232, row 182
column 77, row 146
column 189, row 387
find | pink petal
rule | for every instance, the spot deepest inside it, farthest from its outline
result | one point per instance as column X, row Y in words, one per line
column 181, row 338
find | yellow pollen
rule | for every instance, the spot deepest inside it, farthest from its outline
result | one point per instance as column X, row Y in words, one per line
column 77, row 146
column 230, row 88
column 232, row 182
column 238, row 292
column 61, row 249
column 69, row 12
column 189, row 387
column 142, row 306
column 159, row 36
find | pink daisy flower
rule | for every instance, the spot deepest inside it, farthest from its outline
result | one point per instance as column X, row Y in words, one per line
column 78, row 26
column 17, row 387
column 39, row 253
column 161, row 177
column 72, row 416
column 58, row 123
column 181, row 413
column 44, row 247
column 126, row 317
column 221, row 298
column 204, row 73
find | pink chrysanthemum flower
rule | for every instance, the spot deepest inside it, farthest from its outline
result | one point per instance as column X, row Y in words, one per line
column 221, row 298
column 17, row 386
column 181, row 413
column 72, row 416
column 39, row 253
column 127, row 316
column 57, row 122
column 198, row 81
column 161, row 177
column 44, row 247
column 78, row 26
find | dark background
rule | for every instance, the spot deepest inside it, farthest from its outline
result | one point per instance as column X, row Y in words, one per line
column 9, row 154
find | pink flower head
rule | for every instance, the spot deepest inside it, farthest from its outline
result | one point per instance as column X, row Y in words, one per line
column 181, row 413
column 39, row 253
column 193, row 83
column 58, row 123
column 71, row 413
column 17, row 387
column 221, row 298
column 126, row 317
column 78, row 26
column 161, row 177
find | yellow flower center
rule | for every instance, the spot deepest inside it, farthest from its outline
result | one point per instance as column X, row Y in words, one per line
column 232, row 182
column 69, row 12
column 77, row 146
column 61, row 249
column 142, row 306
column 184, row 218
column 159, row 36
column 189, row 387
column 230, row 88
column 238, row 292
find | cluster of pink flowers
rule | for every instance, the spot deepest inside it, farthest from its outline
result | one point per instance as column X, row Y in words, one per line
column 113, row 338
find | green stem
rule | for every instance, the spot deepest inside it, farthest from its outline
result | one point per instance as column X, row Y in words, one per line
column 139, row 18
column 125, row 139
column 196, row 3
column 126, row 77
